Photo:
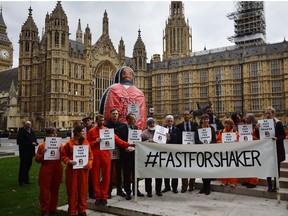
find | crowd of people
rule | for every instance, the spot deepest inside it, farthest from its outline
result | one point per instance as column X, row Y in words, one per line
column 116, row 167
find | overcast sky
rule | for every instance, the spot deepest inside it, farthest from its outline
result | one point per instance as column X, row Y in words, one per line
column 208, row 20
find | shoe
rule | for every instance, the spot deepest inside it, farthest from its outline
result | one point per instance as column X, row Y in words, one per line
column 165, row 190
column 207, row 192
column 139, row 194
column 183, row 190
column 82, row 214
column 149, row 194
column 97, row 202
column 175, row 191
column 46, row 214
column 233, row 185
column 244, row 183
column 223, row 185
column 202, row 191
column 190, row 189
column 121, row 193
column 109, row 195
column 104, row 202
column 248, row 185
column 27, row 183
column 159, row 193
column 128, row 197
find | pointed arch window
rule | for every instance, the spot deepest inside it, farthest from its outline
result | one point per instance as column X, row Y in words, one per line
column 56, row 38
column 27, row 47
column 63, row 39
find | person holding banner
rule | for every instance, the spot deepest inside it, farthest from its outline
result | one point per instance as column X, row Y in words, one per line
column 116, row 165
column 127, row 156
column 76, row 179
column 102, row 161
column 147, row 136
column 205, row 134
column 49, row 178
column 175, row 138
column 187, row 125
column 250, row 119
column 279, row 138
column 229, row 128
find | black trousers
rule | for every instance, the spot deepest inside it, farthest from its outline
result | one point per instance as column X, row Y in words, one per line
column 148, row 185
column 174, row 183
column 24, row 168
column 206, row 184
column 128, row 163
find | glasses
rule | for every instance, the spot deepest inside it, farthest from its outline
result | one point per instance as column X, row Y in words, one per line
column 268, row 113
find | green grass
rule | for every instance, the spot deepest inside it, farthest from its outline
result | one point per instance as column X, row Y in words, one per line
column 16, row 200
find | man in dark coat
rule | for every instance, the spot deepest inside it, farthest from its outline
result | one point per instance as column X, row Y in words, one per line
column 26, row 141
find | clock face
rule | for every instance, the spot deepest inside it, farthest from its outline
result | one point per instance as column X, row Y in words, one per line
column 4, row 54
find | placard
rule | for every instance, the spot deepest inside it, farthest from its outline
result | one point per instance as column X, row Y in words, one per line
column 52, row 144
column 115, row 153
column 266, row 129
column 135, row 109
column 108, row 139
column 188, row 137
column 229, row 137
column 160, row 134
column 80, row 156
column 134, row 136
column 245, row 132
column 205, row 135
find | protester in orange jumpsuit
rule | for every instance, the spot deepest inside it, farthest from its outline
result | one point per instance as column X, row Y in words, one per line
column 101, row 162
column 228, row 128
column 49, row 178
column 250, row 119
column 76, row 179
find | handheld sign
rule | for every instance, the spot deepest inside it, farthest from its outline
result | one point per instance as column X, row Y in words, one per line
column 134, row 136
column 229, row 137
column 245, row 132
column 80, row 155
column 135, row 109
column 108, row 140
column 266, row 129
column 188, row 137
column 52, row 144
column 205, row 135
column 160, row 134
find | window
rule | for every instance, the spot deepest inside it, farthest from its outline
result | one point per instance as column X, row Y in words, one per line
column 218, row 73
column 203, row 76
column 75, row 89
column 275, row 67
column 254, row 88
column 75, row 106
column 187, row 77
column 76, row 71
column 219, row 90
column 56, row 38
column 63, row 68
column 174, row 79
column 27, row 46
column 62, row 105
column 69, row 70
column 82, row 90
column 174, row 108
column 62, row 86
column 159, row 80
column 56, row 66
column 255, row 105
column 82, row 72
column 56, row 86
column 236, row 71
column 26, row 72
column 82, row 106
column 203, row 92
column 55, row 105
column 69, row 88
column 69, row 106
column 277, row 104
column 158, row 95
column 63, row 39
column 174, row 94
column 276, row 86
column 238, row 106
column 254, row 69
column 187, row 93
column 237, row 89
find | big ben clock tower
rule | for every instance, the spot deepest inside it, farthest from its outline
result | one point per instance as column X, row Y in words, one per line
column 6, row 48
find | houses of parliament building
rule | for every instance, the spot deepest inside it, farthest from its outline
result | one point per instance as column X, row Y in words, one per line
column 59, row 80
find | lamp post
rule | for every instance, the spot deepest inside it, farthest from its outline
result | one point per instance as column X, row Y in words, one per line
column 151, row 111
column 218, row 97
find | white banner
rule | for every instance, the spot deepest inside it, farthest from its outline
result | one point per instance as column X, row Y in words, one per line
column 225, row 160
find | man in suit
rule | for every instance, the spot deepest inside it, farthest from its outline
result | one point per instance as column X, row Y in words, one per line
column 127, row 156
column 174, row 138
column 187, row 125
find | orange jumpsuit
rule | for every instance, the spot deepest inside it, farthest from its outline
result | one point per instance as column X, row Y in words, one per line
column 76, row 179
column 253, row 181
column 49, row 179
column 102, row 161
column 219, row 140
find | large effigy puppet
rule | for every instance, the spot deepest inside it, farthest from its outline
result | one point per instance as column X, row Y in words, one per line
column 124, row 96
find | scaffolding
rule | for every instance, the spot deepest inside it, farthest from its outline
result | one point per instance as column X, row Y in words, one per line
column 249, row 23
